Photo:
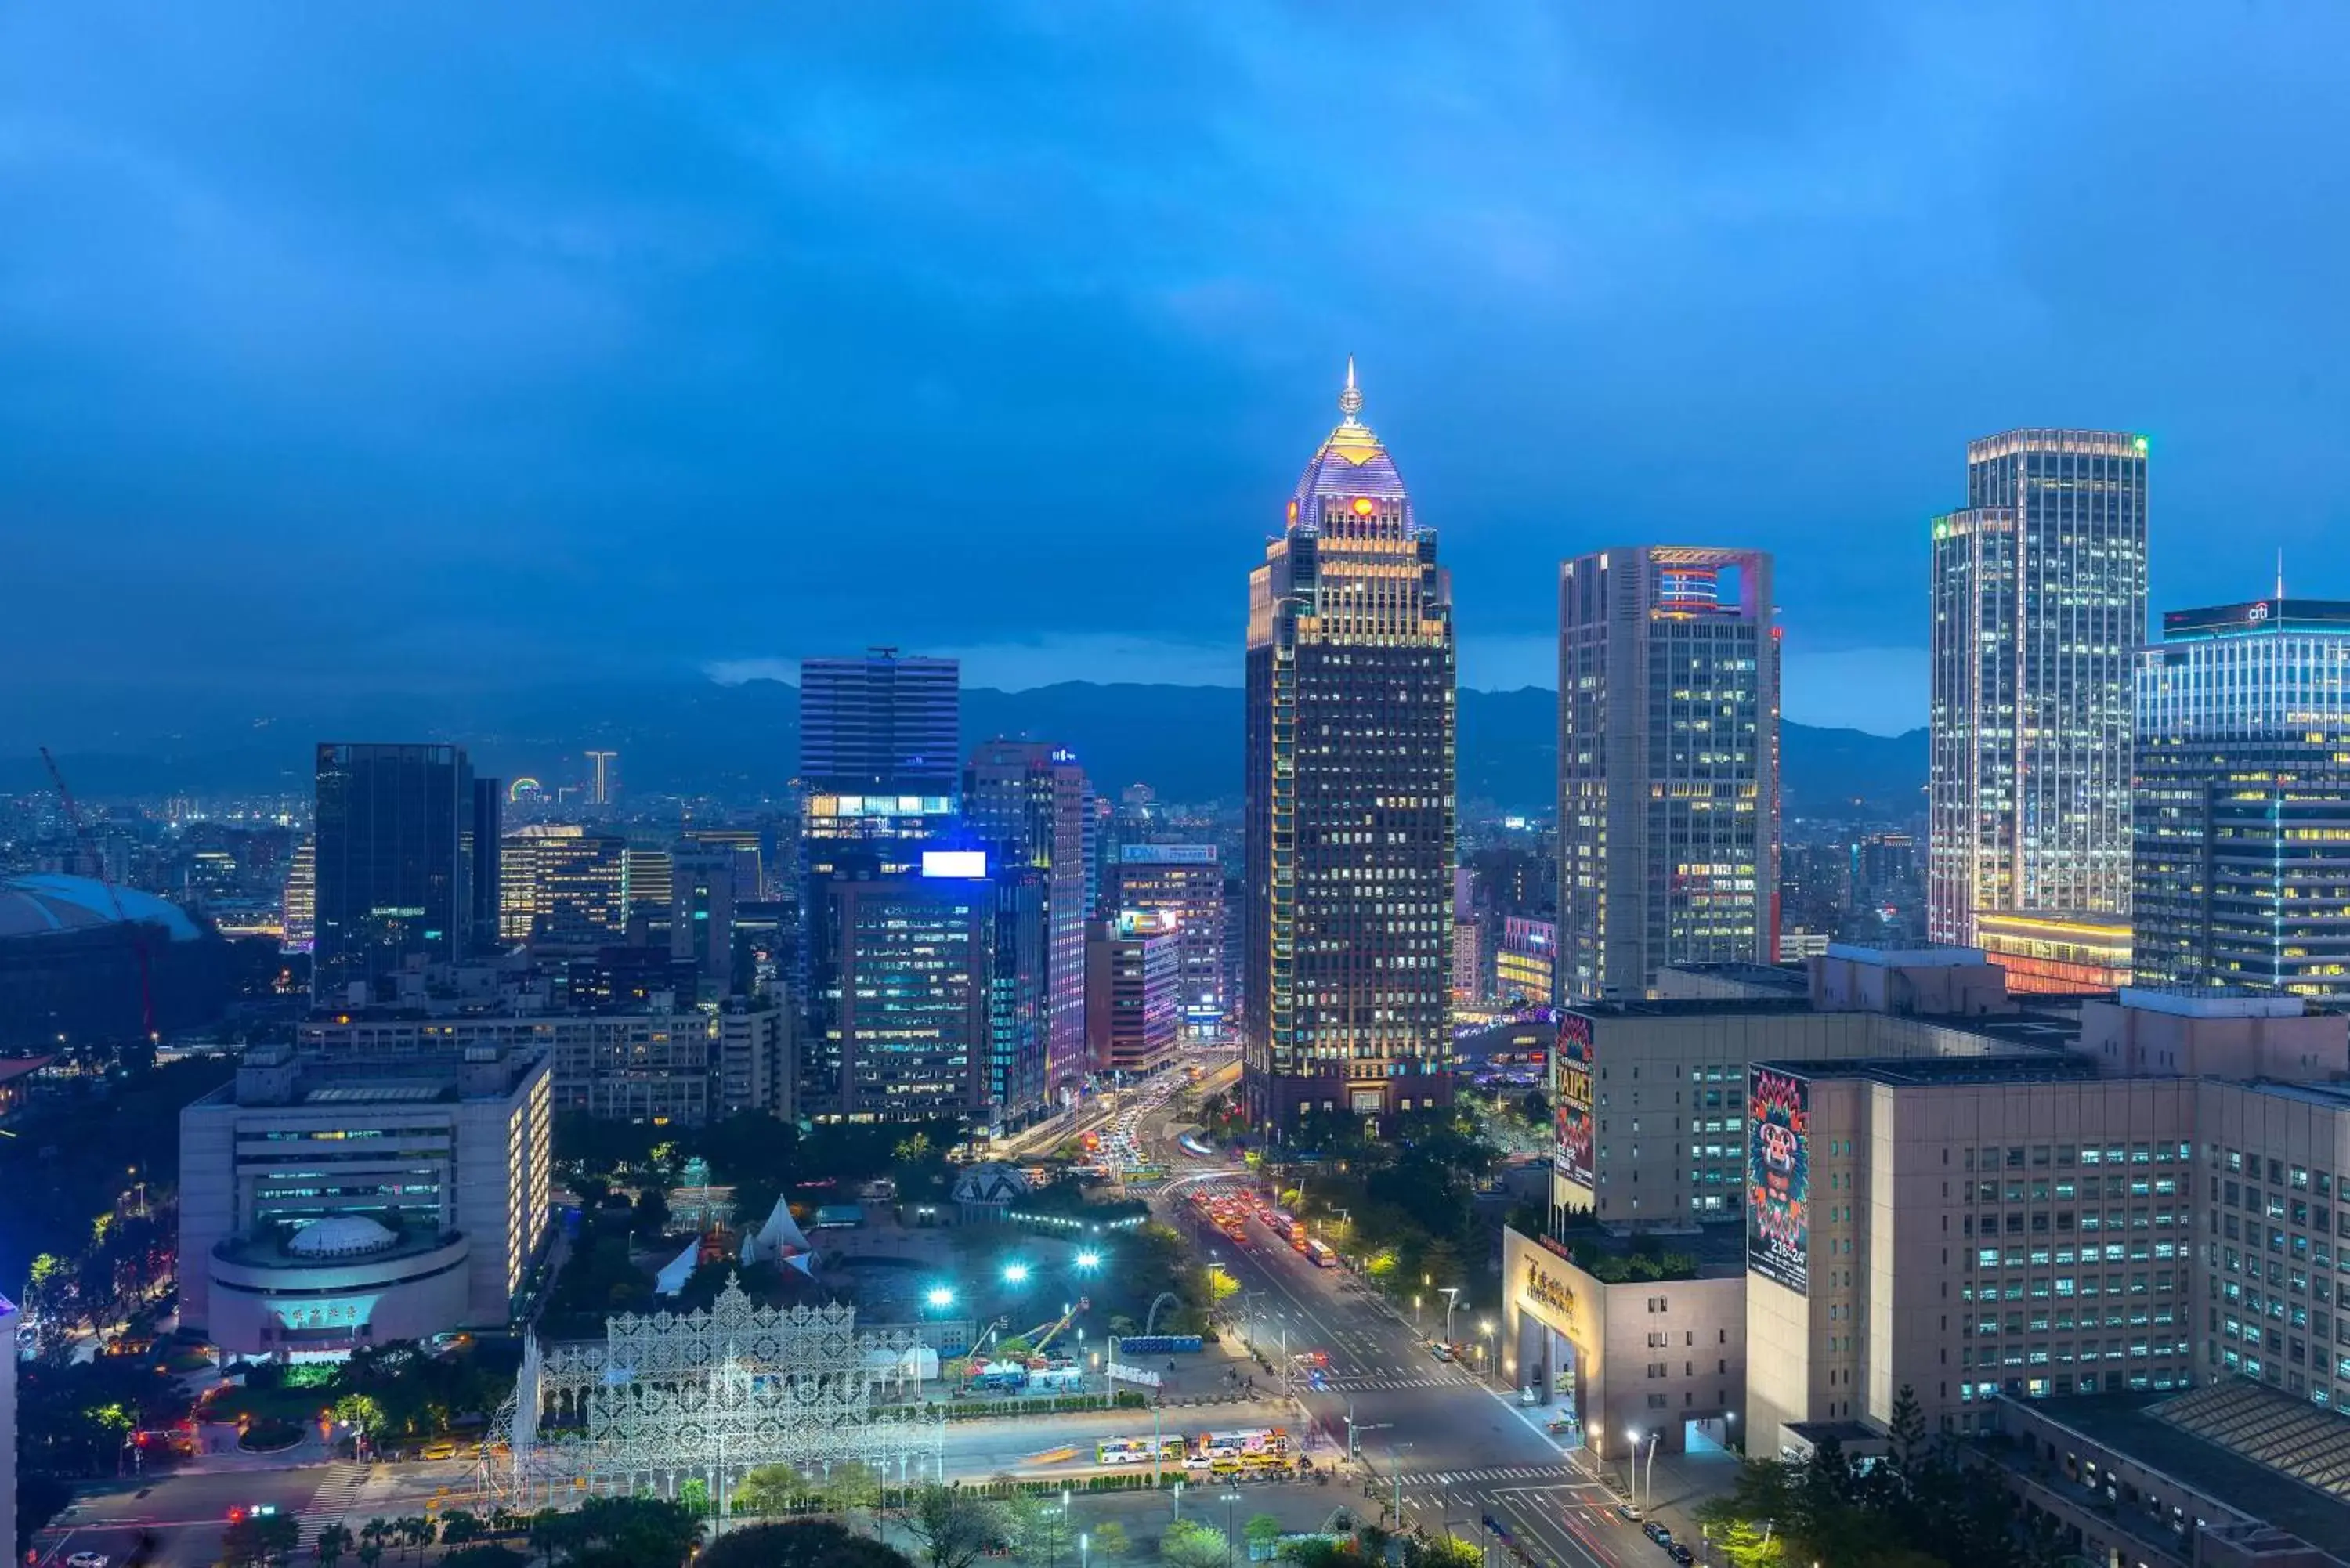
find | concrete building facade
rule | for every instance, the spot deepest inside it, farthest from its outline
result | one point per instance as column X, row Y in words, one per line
column 325, row 1207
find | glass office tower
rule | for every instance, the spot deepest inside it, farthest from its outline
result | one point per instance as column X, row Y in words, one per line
column 1667, row 766
column 1347, row 914
column 392, row 863
column 2039, row 607
column 2241, row 858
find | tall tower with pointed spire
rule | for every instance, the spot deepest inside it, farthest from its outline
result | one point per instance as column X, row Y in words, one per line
column 1347, row 917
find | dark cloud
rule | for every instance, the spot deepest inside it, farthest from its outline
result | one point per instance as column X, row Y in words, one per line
column 436, row 343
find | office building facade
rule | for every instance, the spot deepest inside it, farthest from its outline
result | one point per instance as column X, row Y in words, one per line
column 1134, row 1010
column 1350, row 831
column 881, row 724
column 1668, row 765
column 2241, row 852
column 901, row 991
column 564, row 886
column 393, row 877
column 1184, row 883
column 2038, row 612
column 1030, row 804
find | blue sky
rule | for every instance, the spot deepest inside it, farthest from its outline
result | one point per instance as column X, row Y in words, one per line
column 435, row 345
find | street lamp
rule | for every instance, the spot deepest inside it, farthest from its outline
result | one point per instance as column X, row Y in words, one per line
column 1088, row 1261
column 941, row 1297
column 1016, row 1273
column 1452, row 1303
column 1485, row 1331
column 1230, row 1498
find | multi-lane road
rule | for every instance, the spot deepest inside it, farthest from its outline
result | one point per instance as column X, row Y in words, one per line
column 1458, row 1453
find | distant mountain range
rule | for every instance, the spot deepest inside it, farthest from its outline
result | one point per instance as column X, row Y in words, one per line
column 741, row 742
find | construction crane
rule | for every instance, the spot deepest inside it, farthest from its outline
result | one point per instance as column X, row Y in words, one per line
column 98, row 868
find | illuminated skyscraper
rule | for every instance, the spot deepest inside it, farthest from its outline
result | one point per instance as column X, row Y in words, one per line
column 302, row 899
column 1667, row 766
column 1347, row 911
column 603, row 777
column 2242, row 853
column 1030, row 803
column 2039, row 607
column 394, row 871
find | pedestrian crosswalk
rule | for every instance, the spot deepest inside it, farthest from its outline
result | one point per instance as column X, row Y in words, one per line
column 1363, row 1383
column 1556, row 1473
column 338, row 1495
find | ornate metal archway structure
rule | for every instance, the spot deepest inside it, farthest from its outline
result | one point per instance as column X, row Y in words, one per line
column 711, row 1393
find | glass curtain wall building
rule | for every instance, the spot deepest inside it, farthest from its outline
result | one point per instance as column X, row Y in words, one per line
column 2242, row 846
column 392, row 863
column 1347, row 914
column 1668, row 765
column 2038, row 609
column 1030, row 803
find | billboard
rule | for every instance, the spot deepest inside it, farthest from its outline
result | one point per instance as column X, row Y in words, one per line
column 1779, row 1178
column 1571, row 1061
column 955, row 862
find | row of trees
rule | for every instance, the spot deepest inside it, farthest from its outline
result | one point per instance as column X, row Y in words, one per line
column 1923, row 1506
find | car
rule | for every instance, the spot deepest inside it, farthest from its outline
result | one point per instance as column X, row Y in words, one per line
column 1630, row 1510
column 1681, row 1553
column 1444, row 1351
column 1658, row 1534
column 86, row 1560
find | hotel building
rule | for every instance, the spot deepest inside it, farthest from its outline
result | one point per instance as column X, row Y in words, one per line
column 1347, row 912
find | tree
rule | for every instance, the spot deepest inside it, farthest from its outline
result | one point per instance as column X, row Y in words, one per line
column 800, row 1543
column 415, row 1531
column 852, row 1485
column 771, row 1488
column 1110, row 1542
column 487, row 1554
column 460, row 1528
column 1263, row 1532
column 360, row 1412
column 1441, row 1551
column 954, row 1527
column 620, row 1532
column 257, row 1537
column 1040, row 1530
column 334, row 1540
column 1190, row 1544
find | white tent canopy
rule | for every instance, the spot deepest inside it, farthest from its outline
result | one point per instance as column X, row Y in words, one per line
column 780, row 1238
column 671, row 1280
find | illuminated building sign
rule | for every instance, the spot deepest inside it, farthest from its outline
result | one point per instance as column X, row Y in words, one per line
column 954, row 863
column 1779, row 1178
column 1547, row 1290
column 1572, row 1097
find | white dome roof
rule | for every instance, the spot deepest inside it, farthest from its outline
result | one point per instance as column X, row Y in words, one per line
column 341, row 1236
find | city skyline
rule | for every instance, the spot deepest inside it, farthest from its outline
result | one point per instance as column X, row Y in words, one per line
column 563, row 365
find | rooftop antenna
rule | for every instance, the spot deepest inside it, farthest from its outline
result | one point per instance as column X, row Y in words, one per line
column 2279, row 593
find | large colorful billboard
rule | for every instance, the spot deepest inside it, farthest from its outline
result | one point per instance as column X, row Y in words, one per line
column 1779, row 1178
column 1570, row 1098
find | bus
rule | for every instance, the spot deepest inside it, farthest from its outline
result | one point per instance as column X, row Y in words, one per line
column 1325, row 1256
column 1211, row 1447
column 1137, row 1450
column 1283, row 1224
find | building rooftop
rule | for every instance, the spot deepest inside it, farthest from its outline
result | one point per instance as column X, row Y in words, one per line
column 2259, row 1449
column 1791, row 979
column 1904, row 1072
column 2211, row 1003
column 1719, row 1251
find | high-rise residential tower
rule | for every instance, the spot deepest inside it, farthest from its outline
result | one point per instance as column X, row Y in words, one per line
column 393, row 863
column 1667, row 766
column 1348, row 907
column 2242, row 840
column 2039, row 607
column 1029, row 802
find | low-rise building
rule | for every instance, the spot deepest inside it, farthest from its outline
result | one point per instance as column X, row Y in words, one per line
column 326, row 1206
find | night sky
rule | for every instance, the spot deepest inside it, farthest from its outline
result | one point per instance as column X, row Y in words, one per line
column 438, row 346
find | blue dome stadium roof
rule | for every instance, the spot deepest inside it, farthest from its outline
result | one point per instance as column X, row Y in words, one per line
column 45, row 905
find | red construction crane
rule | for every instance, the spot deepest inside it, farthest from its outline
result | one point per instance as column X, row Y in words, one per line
column 97, row 866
